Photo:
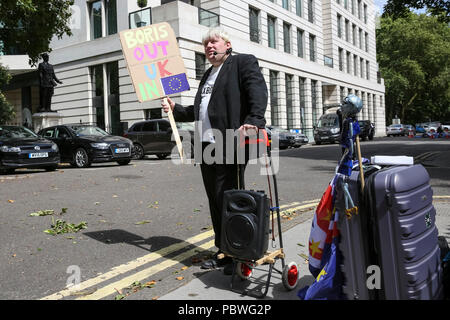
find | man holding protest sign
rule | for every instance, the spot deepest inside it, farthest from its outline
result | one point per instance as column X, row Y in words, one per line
column 232, row 95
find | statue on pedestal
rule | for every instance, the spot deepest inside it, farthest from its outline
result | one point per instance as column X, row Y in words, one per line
column 47, row 82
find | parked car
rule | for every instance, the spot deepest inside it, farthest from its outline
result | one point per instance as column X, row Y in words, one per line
column 396, row 130
column 22, row 148
column 410, row 127
column 154, row 137
column 367, row 129
column 300, row 139
column 84, row 144
column 327, row 129
column 286, row 139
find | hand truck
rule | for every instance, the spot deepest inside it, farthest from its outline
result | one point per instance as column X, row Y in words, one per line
column 244, row 268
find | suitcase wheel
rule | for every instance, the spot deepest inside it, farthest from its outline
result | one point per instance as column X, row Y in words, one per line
column 290, row 276
column 244, row 271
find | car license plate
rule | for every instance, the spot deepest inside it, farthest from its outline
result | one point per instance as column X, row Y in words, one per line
column 122, row 150
column 38, row 155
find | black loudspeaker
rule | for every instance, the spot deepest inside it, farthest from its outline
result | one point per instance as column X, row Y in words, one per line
column 245, row 224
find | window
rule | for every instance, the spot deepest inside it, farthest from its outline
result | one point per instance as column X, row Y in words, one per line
column 140, row 18
column 360, row 39
column 361, row 67
column 163, row 125
column 302, row 104
column 354, row 34
column 346, row 4
column 349, row 64
column 96, row 18
column 353, row 6
column 311, row 11
column 287, row 37
column 339, row 25
column 365, row 13
column 273, row 85
column 111, row 17
column 342, row 93
column 271, row 23
column 298, row 7
column 355, row 65
column 367, row 70
column 285, row 4
column 366, row 40
column 314, row 100
column 289, row 110
column 328, row 61
column 149, row 126
column 347, row 30
column 208, row 18
column 300, row 43
column 359, row 9
column 312, row 47
column 254, row 24
column 200, row 65
column 341, row 59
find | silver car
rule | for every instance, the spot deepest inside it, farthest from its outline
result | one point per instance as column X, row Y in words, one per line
column 396, row 130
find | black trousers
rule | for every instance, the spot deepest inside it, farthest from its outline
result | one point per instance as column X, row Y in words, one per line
column 217, row 178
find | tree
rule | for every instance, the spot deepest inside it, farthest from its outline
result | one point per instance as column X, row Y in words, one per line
column 28, row 26
column 414, row 59
column 6, row 109
column 400, row 8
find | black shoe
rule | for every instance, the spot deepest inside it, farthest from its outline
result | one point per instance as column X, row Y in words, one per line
column 215, row 263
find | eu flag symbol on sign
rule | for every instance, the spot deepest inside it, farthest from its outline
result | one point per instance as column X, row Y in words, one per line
column 175, row 84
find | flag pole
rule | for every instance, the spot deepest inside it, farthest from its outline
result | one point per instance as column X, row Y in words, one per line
column 175, row 131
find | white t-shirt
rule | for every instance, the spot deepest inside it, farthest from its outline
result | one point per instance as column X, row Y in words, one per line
column 206, row 134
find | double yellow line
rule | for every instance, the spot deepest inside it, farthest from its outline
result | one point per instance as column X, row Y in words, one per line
column 148, row 272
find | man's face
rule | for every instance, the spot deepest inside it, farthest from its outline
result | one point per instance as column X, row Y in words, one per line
column 216, row 44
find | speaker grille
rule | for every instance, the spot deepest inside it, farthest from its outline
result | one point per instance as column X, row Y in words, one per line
column 240, row 231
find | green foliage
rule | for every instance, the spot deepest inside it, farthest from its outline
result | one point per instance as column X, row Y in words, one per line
column 142, row 3
column 413, row 53
column 401, row 8
column 7, row 112
column 31, row 24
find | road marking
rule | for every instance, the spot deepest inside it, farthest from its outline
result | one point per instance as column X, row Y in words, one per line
column 134, row 264
column 144, row 274
column 116, row 271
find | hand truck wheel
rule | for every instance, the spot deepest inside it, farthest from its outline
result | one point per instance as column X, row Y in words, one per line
column 290, row 276
column 243, row 270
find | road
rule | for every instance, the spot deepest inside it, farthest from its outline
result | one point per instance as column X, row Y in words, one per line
column 146, row 222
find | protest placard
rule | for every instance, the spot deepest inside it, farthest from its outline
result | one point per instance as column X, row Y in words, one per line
column 155, row 65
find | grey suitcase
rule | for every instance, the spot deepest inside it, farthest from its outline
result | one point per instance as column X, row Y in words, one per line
column 395, row 230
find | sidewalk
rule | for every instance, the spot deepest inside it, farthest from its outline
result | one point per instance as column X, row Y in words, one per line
column 214, row 285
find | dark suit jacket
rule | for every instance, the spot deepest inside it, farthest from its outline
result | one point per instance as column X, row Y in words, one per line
column 239, row 96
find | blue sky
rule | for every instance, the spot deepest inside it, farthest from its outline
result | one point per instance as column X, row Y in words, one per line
column 379, row 4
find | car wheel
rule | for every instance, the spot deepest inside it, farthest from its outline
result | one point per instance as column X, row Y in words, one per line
column 139, row 152
column 81, row 158
column 123, row 162
column 318, row 142
column 162, row 155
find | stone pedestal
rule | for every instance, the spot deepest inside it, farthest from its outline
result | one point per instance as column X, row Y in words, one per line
column 43, row 120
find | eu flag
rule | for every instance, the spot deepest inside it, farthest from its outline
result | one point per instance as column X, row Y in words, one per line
column 175, row 84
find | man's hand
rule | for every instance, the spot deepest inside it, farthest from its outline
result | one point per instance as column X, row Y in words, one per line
column 248, row 129
column 165, row 104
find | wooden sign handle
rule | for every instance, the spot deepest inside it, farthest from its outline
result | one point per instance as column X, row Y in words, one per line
column 361, row 171
column 175, row 132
